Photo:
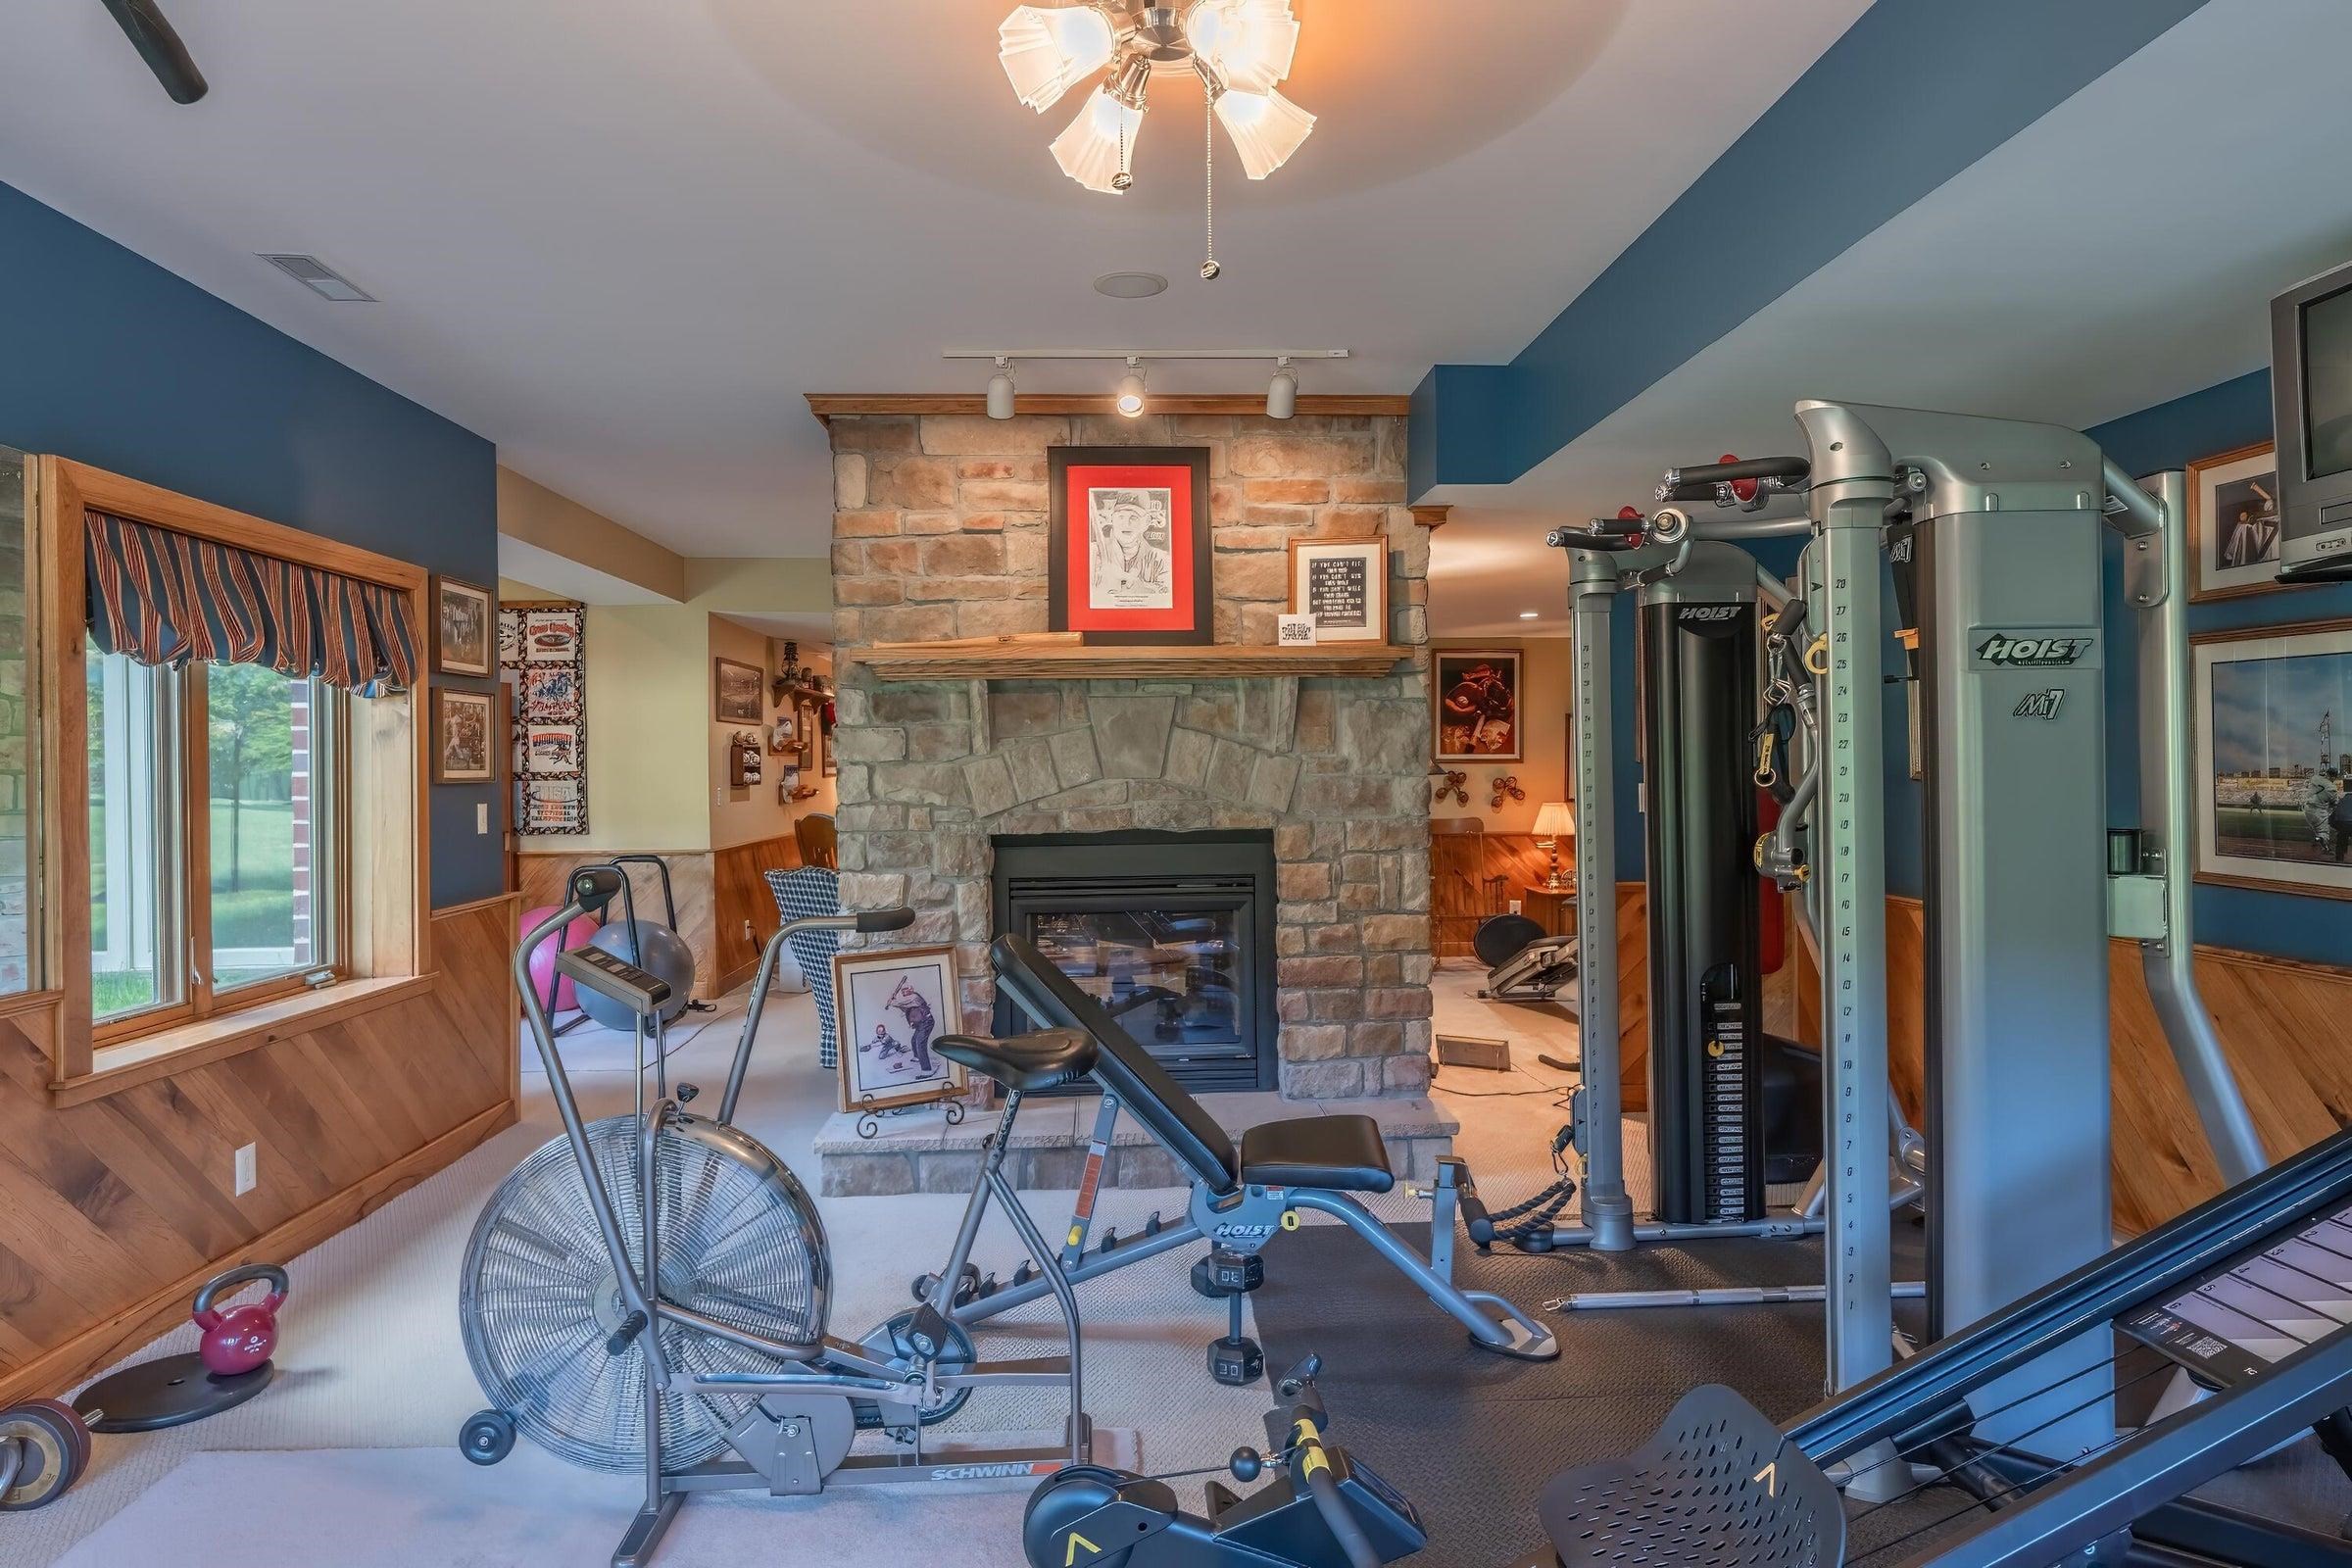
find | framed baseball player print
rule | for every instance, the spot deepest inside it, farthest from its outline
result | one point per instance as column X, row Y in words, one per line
column 1127, row 555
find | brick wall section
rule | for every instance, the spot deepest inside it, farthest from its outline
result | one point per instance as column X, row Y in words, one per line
column 940, row 531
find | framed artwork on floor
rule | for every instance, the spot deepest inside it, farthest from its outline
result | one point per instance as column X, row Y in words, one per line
column 464, row 635
column 2233, row 524
column 1476, row 714
column 1127, row 557
column 2275, row 784
column 1343, row 586
column 891, row 1006
column 739, row 692
column 462, row 724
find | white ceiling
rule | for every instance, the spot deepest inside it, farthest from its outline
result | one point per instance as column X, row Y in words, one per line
column 2115, row 255
column 621, row 238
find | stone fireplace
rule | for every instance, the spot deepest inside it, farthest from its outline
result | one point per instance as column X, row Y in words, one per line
column 940, row 532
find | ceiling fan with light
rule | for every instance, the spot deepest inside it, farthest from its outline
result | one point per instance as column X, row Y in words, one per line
column 1240, row 49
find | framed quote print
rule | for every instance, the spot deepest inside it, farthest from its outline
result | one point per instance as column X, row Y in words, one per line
column 1127, row 557
column 1342, row 585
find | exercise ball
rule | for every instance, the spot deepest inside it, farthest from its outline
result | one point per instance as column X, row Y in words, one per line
column 661, row 950
column 543, row 956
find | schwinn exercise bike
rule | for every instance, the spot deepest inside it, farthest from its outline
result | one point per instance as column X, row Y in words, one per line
column 650, row 1290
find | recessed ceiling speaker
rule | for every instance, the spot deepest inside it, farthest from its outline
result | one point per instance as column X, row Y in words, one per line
column 1282, row 393
column 158, row 43
column 1131, row 285
column 1000, row 391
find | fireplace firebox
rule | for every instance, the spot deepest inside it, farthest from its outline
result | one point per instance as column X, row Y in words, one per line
column 1172, row 932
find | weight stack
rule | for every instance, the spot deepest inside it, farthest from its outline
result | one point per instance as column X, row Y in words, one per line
column 1699, row 699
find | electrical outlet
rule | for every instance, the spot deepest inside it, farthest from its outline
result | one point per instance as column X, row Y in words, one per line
column 718, row 795
column 481, row 817
column 245, row 1169
column 1515, row 906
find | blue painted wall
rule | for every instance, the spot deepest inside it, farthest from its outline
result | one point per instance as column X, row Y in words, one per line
column 1860, row 136
column 2172, row 435
column 111, row 361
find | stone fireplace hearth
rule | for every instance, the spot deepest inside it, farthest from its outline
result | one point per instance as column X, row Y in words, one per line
column 940, row 532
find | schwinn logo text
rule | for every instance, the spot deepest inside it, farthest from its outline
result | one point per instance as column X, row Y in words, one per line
column 2001, row 648
column 2039, row 704
column 988, row 1472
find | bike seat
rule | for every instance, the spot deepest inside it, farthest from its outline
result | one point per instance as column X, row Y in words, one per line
column 1333, row 1153
column 1045, row 1060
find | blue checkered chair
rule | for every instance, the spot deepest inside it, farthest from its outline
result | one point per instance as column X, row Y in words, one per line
column 807, row 891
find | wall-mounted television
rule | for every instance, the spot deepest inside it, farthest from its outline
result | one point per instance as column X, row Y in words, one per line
column 2311, row 402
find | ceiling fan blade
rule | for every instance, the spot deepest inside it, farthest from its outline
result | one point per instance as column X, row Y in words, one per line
column 160, row 46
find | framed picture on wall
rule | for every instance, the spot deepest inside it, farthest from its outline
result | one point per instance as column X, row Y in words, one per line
column 1127, row 557
column 463, row 629
column 1476, row 715
column 2233, row 524
column 739, row 692
column 891, row 1006
column 2275, row 788
column 462, row 723
column 1343, row 585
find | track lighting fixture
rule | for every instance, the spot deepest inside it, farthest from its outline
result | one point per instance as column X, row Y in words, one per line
column 1131, row 390
column 1132, row 395
column 1282, row 393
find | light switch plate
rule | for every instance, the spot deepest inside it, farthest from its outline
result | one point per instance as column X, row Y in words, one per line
column 481, row 818
column 246, row 1176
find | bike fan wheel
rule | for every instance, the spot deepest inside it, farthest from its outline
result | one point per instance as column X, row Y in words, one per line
column 741, row 1242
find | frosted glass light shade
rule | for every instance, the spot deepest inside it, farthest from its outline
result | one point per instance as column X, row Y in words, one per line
column 1089, row 150
column 1046, row 50
column 1249, row 43
column 1266, row 128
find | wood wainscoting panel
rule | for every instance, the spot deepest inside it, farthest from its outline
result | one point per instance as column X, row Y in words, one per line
column 115, row 1210
column 1474, row 875
column 738, row 879
column 545, row 872
column 2286, row 1027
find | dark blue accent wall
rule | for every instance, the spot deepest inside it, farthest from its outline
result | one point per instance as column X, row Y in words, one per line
column 1860, row 136
column 2173, row 435
column 110, row 360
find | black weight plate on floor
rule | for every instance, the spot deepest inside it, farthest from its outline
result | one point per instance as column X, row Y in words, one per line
column 1473, row 1437
column 1501, row 936
column 168, row 1392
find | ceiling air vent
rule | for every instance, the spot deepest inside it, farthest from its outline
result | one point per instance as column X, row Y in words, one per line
column 318, row 278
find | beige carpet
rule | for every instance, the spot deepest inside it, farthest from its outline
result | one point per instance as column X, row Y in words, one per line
column 351, row 1458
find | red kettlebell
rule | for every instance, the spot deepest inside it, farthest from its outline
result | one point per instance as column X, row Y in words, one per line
column 241, row 1338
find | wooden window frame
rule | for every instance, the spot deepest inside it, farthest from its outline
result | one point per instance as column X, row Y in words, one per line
column 380, row 889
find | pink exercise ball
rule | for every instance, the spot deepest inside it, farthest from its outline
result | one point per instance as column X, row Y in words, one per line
column 543, row 957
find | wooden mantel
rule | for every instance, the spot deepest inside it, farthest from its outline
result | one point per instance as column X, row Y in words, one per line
column 1063, row 656
column 1025, row 660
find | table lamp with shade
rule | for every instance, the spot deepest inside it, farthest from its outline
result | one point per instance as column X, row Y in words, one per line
column 1554, row 822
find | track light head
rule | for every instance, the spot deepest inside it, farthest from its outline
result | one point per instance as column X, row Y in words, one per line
column 1282, row 393
column 1130, row 400
column 1000, row 391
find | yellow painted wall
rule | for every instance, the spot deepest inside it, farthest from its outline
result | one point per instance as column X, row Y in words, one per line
column 759, row 812
column 1543, row 771
column 647, row 682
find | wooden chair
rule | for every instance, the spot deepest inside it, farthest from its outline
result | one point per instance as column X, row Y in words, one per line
column 820, row 844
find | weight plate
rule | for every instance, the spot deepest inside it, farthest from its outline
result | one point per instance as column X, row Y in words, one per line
column 53, row 1445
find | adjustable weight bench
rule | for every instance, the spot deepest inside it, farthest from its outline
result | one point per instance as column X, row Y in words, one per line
column 1242, row 1198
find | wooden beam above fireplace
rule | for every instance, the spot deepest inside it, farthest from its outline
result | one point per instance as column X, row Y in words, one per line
column 1014, row 658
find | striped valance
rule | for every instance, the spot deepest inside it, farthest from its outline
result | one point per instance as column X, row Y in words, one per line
column 167, row 598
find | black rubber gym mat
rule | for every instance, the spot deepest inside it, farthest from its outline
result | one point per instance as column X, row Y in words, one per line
column 1472, row 1438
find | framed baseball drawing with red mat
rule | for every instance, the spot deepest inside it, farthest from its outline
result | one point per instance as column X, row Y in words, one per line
column 1127, row 555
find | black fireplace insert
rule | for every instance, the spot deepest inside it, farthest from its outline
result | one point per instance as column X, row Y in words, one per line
column 1173, row 932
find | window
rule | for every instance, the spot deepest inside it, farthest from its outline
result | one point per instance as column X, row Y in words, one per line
column 215, row 863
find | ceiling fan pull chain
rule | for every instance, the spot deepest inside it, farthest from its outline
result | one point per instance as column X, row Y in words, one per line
column 1208, row 184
